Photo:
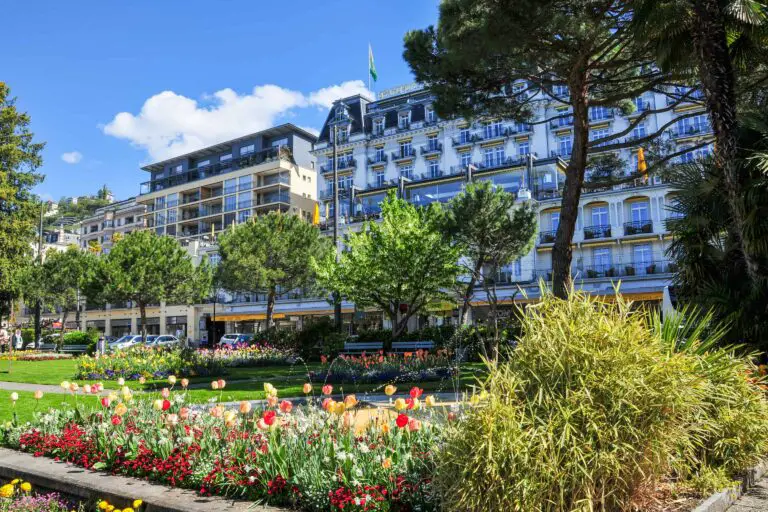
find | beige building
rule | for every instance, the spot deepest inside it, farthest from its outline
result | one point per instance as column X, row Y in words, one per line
column 121, row 217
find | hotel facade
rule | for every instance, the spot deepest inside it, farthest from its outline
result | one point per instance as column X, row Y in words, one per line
column 398, row 143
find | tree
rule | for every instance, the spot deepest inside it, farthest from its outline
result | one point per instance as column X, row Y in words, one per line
column 490, row 230
column 20, row 156
column 711, row 272
column 272, row 254
column 398, row 265
column 717, row 38
column 146, row 268
column 65, row 275
column 488, row 59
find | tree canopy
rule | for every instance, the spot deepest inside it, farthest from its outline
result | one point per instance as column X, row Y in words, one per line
column 271, row 254
column 399, row 265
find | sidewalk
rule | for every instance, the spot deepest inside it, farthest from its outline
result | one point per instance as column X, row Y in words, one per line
column 754, row 500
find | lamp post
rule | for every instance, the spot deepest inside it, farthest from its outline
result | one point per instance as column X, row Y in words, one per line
column 38, row 305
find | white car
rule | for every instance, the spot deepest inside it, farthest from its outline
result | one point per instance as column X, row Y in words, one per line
column 124, row 342
column 162, row 340
column 232, row 339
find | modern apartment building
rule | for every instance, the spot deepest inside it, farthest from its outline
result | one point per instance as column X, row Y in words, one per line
column 398, row 142
column 194, row 197
column 123, row 217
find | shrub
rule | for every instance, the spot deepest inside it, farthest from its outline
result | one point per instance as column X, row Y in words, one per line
column 589, row 411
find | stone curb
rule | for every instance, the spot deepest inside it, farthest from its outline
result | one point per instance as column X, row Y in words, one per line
column 85, row 484
column 722, row 501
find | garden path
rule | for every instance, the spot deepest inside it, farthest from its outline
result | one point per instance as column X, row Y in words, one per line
column 754, row 500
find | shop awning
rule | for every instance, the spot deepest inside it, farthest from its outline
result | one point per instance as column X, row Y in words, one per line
column 246, row 317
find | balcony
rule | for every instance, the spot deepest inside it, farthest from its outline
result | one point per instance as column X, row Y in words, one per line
column 601, row 115
column 190, row 214
column 463, row 140
column 489, row 133
column 690, row 97
column 377, row 159
column 562, row 122
column 613, row 270
column 561, row 153
column 520, row 128
column 206, row 211
column 343, row 165
column 638, row 227
column 547, row 237
column 190, row 199
column 640, row 107
column 198, row 173
column 431, row 149
column 403, row 127
column 497, row 163
column 690, row 131
column 544, row 193
column 403, row 154
column 596, row 232
column 431, row 175
column 280, row 197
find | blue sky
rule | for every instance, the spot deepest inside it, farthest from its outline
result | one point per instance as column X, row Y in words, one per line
column 111, row 86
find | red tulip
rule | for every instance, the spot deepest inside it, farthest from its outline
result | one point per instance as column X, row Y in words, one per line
column 416, row 392
column 269, row 417
column 166, row 405
column 286, row 406
column 105, row 401
column 116, row 420
column 402, row 421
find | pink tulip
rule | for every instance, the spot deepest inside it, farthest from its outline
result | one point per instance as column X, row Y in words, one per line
column 271, row 401
column 38, row 394
column 414, row 425
column 327, row 389
column 105, row 401
column 286, row 406
column 184, row 413
column 165, row 393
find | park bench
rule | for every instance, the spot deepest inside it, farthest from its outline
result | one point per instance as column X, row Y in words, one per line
column 47, row 347
column 360, row 347
column 74, row 349
column 412, row 346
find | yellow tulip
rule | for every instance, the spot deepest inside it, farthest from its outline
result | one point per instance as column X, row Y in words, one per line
column 6, row 491
column 390, row 390
column 430, row 401
column 121, row 409
column 103, row 505
column 137, row 503
column 26, row 487
column 400, row 404
column 158, row 405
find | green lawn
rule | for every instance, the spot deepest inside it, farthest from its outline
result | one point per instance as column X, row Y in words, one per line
column 27, row 405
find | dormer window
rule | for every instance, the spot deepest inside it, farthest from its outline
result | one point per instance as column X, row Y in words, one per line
column 341, row 112
column 378, row 126
column 403, row 120
column 342, row 133
column 430, row 115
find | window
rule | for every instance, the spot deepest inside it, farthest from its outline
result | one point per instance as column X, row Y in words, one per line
column 432, row 143
column 523, row 148
column 565, row 120
column 599, row 134
column 378, row 126
column 244, row 182
column 406, row 171
column 379, row 178
column 159, row 203
column 171, row 200
column 466, row 159
column 499, row 155
column 599, row 113
column 342, row 133
column 601, row 258
column 171, row 216
column 464, row 136
column 405, row 149
column 280, row 142
column 403, row 120
column 247, row 150
column 230, row 203
column 230, row 186
column 639, row 131
column 639, row 211
column 554, row 220
column 430, row 115
column 642, row 104
column 379, row 155
column 176, row 169
column 159, row 219
column 564, row 146
column 600, row 216
column 203, row 163
column 243, row 216
column 693, row 125
column 488, row 157
column 493, row 129
column 434, row 168
column 244, row 200
column 518, row 267
column 641, row 255
column 129, row 219
column 560, row 90
column 225, row 158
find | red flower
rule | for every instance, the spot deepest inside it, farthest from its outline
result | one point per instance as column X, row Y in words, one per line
column 166, row 405
column 116, row 420
column 416, row 392
column 269, row 417
column 402, row 421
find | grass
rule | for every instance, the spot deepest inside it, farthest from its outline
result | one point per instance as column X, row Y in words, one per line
column 27, row 405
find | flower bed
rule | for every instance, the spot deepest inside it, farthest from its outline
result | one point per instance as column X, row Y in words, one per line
column 303, row 457
column 418, row 366
column 18, row 496
column 34, row 355
column 158, row 362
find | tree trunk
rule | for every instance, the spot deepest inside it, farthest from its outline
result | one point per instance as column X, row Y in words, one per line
column 719, row 84
column 143, row 314
column 469, row 291
column 63, row 322
column 270, row 305
column 574, row 179
column 77, row 310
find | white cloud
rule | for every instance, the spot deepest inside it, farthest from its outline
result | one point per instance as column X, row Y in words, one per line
column 72, row 157
column 311, row 129
column 170, row 124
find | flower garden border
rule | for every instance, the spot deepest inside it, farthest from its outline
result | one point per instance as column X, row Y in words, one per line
column 84, row 484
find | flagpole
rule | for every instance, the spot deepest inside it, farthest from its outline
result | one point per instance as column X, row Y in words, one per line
column 369, row 67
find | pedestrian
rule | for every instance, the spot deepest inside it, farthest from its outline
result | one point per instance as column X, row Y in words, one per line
column 18, row 340
column 4, row 339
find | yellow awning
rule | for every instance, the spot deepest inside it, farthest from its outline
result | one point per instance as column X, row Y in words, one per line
column 247, row 317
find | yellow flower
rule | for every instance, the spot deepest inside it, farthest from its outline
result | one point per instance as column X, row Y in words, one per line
column 6, row 491
column 110, row 508
column 127, row 509
column 26, row 487
column 103, row 505
column 390, row 390
column 387, row 463
column 400, row 404
column 15, row 481
column 430, row 401
column 137, row 503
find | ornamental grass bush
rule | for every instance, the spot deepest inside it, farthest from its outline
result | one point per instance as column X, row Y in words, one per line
column 588, row 412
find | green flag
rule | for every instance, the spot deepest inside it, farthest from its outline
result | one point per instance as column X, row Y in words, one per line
column 371, row 65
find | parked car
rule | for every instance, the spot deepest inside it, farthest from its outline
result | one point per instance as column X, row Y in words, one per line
column 232, row 339
column 162, row 340
column 124, row 342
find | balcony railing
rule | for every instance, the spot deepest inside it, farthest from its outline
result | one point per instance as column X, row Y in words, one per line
column 688, row 131
column 562, row 122
column 190, row 199
column 463, row 140
column 602, row 115
column 560, row 153
column 493, row 133
column 198, row 173
column 611, row 270
column 637, row 227
column 190, row 214
column 347, row 163
column 431, row 148
column 378, row 159
column 547, row 237
column 403, row 154
column 520, row 128
column 597, row 231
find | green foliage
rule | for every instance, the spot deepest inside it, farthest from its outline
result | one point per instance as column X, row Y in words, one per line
column 146, row 268
column 89, row 337
column 20, row 156
column 64, row 275
column 401, row 260
column 730, row 429
column 272, row 254
column 588, row 411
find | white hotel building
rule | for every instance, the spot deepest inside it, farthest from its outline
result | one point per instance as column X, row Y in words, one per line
column 620, row 234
